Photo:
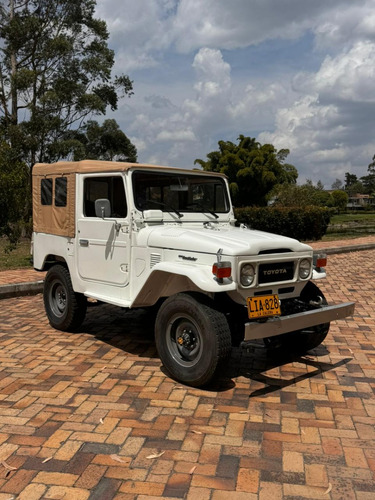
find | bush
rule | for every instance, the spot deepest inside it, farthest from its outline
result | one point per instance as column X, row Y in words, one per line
column 302, row 223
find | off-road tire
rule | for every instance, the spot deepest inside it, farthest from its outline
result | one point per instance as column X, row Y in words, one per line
column 192, row 339
column 301, row 341
column 65, row 308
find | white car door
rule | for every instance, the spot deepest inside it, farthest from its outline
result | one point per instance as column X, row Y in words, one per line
column 103, row 244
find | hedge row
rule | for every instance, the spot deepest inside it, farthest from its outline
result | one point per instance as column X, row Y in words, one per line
column 302, row 223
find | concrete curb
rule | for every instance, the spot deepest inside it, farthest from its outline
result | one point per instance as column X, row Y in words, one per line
column 21, row 289
column 347, row 249
column 35, row 287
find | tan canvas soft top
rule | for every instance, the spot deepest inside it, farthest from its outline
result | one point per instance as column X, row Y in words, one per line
column 84, row 166
column 60, row 220
column 92, row 166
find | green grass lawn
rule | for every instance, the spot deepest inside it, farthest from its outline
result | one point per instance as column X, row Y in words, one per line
column 363, row 218
column 350, row 225
column 18, row 258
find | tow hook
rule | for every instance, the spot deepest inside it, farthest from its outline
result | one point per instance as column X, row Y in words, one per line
column 316, row 303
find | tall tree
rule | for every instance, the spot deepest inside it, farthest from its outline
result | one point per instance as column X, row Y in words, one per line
column 371, row 167
column 352, row 184
column 338, row 184
column 55, row 72
column 368, row 181
column 252, row 169
column 350, row 179
column 14, row 176
column 103, row 142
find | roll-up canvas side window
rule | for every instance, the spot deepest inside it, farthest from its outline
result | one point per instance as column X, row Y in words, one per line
column 46, row 191
column 60, row 191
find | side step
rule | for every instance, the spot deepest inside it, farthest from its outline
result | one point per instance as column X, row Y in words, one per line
column 109, row 300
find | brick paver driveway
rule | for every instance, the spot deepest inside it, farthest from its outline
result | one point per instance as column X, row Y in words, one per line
column 92, row 415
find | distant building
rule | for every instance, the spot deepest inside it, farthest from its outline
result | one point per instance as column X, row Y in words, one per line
column 361, row 201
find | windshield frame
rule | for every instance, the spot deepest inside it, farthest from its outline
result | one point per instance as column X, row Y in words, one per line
column 177, row 192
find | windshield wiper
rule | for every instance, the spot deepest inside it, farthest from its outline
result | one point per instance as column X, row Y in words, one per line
column 165, row 205
column 204, row 208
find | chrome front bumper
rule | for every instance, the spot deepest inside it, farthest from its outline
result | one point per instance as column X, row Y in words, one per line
column 284, row 324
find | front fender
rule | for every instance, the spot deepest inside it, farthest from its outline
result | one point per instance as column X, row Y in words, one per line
column 169, row 278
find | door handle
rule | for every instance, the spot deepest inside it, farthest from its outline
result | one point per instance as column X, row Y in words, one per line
column 84, row 243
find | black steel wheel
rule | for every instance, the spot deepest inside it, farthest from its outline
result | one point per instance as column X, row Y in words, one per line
column 65, row 308
column 192, row 339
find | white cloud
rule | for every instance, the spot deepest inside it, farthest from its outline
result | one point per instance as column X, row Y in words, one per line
column 330, row 125
column 212, row 71
column 349, row 76
column 185, row 128
column 176, row 135
column 187, row 95
column 138, row 30
column 141, row 30
column 346, row 26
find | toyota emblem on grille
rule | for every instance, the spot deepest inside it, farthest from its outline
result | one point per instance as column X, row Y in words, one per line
column 275, row 271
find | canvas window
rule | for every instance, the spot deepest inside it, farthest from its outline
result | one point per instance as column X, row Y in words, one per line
column 46, row 191
column 61, row 191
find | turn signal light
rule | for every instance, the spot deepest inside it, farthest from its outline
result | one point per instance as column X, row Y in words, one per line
column 320, row 260
column 222, row 270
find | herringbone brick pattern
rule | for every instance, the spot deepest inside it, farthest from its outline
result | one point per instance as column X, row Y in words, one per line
column 93, row 416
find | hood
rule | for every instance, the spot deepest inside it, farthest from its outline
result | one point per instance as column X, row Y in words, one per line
column 234, row 241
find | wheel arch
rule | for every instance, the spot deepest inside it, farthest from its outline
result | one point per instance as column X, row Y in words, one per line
column 164, row 284
column 169, row 279
column 51, row 260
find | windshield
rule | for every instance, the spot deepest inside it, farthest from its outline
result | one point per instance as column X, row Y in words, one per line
column 179, row 192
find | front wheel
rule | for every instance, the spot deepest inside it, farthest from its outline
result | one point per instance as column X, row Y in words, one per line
column 192, row 339
column 65, row 308
column 302, row 341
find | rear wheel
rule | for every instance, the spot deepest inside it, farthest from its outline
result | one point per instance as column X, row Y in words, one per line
column 192, row 339
column 65, row 308
column 302, row 341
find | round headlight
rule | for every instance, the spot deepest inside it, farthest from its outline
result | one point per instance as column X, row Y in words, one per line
column 304, row 269
column 247, row 275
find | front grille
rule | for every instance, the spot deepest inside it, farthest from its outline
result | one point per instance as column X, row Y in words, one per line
column 275, row 272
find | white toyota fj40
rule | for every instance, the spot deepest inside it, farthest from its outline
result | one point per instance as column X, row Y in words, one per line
column 139, row 235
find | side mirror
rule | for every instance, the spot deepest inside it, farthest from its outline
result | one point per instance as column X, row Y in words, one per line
column 102, row 208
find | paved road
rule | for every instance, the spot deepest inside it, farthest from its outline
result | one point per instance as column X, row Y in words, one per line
column 81, row 414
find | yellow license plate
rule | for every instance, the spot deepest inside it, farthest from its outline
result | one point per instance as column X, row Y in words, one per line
column 263, row 306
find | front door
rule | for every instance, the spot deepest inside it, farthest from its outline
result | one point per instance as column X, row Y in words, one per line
column 104, row 244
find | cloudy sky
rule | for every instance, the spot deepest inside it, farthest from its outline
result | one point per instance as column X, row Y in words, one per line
column 299, row 74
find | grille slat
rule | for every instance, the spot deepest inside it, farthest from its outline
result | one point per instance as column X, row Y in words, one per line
column 155, row 258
